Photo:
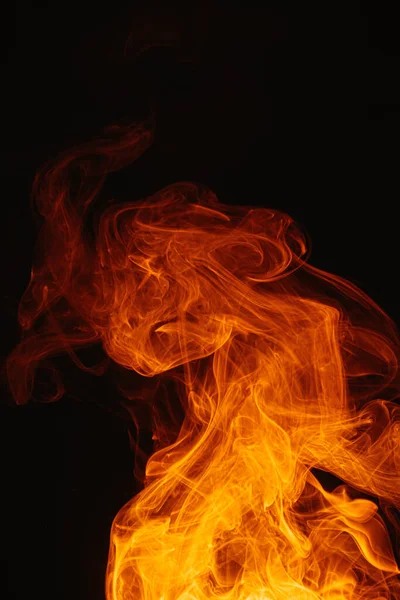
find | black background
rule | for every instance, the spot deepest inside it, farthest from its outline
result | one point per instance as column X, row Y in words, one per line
column 293, row 110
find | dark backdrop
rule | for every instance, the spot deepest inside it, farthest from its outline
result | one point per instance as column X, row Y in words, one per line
column 296, row 111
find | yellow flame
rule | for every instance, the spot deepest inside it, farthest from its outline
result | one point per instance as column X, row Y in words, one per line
column 282, row 369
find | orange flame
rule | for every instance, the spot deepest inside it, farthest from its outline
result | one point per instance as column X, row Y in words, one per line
column 281, row 368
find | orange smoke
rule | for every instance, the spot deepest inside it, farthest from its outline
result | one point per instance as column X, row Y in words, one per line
column 281, row 369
